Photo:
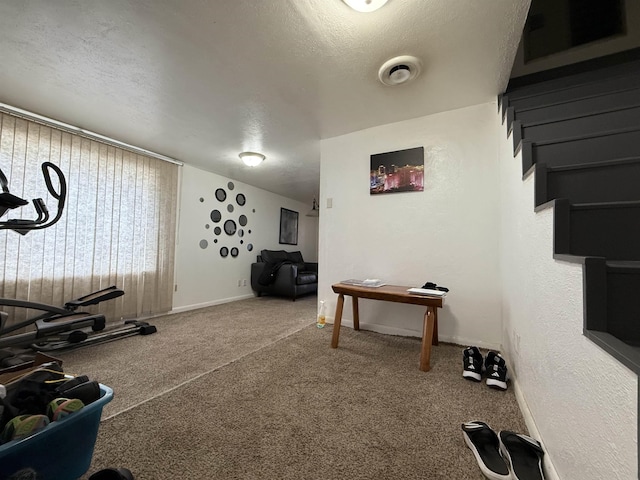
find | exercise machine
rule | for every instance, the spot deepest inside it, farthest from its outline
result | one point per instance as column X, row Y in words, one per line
column 8, row 201
column 67, row 327
column 57, row 327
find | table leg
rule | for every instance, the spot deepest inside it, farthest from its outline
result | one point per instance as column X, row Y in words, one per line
column 435, row 327
column 427, row 338
column 336, row 321
column 356, row 318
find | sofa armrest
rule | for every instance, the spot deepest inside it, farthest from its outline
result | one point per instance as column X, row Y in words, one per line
column 286, row 276
column 256, row 271
column 285, row 279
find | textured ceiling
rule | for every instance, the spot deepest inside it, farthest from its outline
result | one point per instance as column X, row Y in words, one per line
column 201, row 81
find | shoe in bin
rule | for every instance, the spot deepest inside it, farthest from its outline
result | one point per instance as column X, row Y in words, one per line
column 523, row 454
column 472, row 364
column 112, row 474
column 484, row 444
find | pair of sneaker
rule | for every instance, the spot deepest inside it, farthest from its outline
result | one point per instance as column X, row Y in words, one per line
column 494, row 367
column 506, row 455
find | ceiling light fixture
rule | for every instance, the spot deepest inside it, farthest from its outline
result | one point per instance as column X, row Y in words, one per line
column 399, row 70
column 251, row 159
column 365, row 5
column 315, row 210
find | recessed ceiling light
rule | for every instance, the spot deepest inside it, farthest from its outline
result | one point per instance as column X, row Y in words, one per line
column 399, row 70
column 365, row 5
column 251, row 159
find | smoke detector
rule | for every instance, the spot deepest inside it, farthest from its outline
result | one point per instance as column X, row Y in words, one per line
column 399, row 70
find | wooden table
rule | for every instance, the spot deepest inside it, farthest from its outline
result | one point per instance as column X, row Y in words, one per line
column 391, row 293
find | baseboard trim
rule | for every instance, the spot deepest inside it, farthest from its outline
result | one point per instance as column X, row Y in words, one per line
column 404, row 332
column 221, row 301
column 549, row 469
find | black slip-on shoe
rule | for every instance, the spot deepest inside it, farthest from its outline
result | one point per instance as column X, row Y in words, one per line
column 484, row 444
column 524, row 455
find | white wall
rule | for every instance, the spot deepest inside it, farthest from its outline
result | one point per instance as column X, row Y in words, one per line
column 447, row 234
column 581, row 400
column 585, row 52
column 204, row 277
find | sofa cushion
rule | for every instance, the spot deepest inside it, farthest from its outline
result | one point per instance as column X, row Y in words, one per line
column 274, row 256
column 295, row 257
column 305, row 278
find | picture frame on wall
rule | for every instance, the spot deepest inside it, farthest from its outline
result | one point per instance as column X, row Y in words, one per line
column 395, row 172
column 288, row 227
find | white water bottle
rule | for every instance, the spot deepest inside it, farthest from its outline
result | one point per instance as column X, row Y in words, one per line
column 321, row 315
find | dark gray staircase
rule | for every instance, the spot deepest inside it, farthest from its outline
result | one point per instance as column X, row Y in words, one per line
column 578, row 131
column 579, row 149
column 583, row 106
column 576, row 125
column 588, row 182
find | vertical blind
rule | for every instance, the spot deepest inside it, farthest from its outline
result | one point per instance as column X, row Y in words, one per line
column 118, row 226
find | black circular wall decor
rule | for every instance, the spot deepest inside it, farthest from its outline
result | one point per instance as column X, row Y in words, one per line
column 230, row 227
column 216, row 216
column 228, row 221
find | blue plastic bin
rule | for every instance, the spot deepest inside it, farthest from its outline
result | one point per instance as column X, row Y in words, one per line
column 62, row 450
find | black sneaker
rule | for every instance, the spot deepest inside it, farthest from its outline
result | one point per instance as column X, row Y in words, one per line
column 484, row 444
column 472, row 364
column 496, row 371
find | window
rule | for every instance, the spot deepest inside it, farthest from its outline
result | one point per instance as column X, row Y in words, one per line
column 117, row 228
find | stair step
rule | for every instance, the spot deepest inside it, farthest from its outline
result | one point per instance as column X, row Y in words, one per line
column 572, row 126
column 611, row 181
column 581, row 149
column 609, row 85
column 570, row 108
column 623, row 308
column 577, row 73
column 612, row 309
column 610, row 229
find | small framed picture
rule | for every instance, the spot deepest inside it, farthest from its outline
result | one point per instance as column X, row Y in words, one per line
column 288, row 227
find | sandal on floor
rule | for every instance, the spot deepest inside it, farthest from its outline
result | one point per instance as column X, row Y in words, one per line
column 112, row 474
column 524, row 455
column 484, row 444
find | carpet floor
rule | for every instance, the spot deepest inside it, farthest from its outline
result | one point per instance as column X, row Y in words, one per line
column 268, row 398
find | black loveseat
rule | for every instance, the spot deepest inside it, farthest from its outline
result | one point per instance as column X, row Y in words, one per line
column 277, row 272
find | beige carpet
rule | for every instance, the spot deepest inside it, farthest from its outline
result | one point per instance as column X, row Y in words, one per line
column 252, row 390
column 186, row 346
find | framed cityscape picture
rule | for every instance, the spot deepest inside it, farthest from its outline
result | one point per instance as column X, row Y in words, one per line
column 288, row 227
column 400, row 171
